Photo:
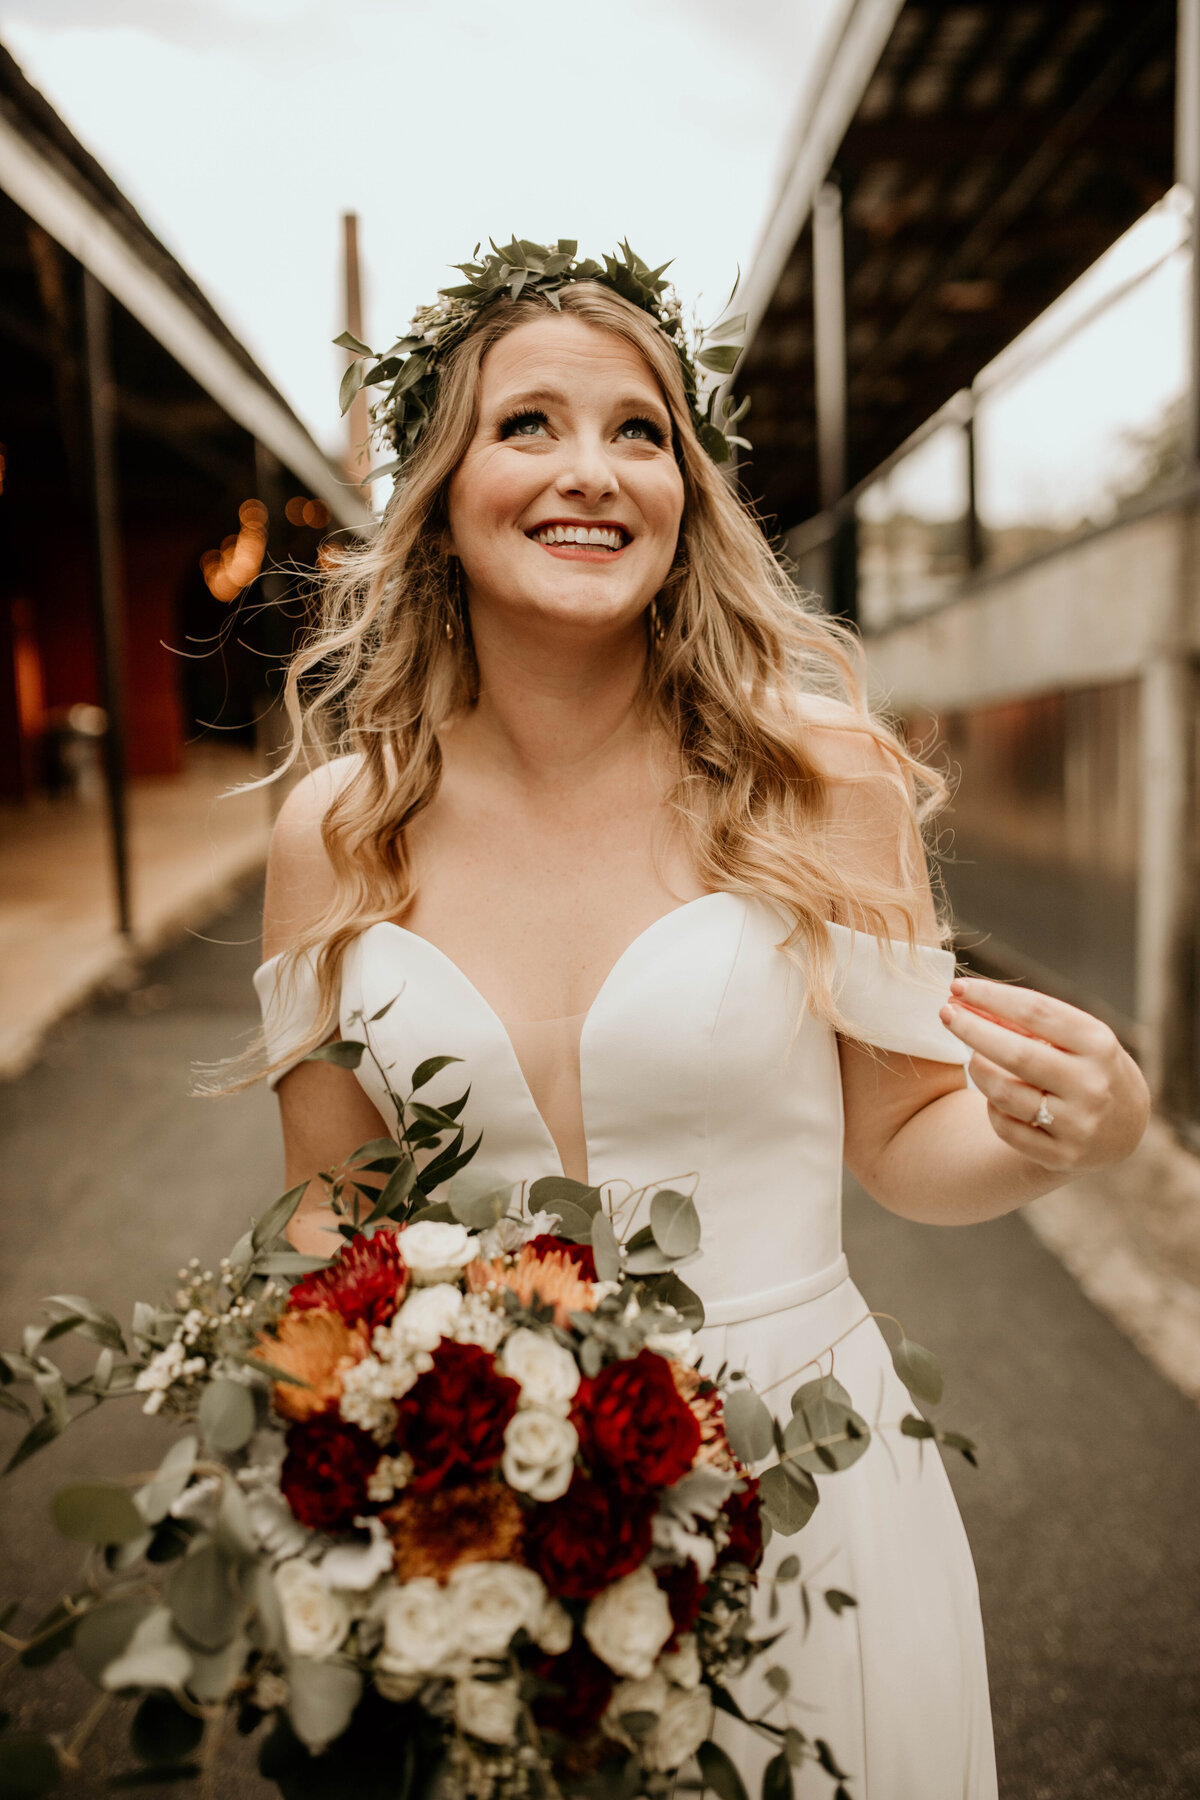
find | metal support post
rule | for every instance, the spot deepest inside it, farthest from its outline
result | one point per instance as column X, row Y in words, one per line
column 829, row 332
column 106, row 539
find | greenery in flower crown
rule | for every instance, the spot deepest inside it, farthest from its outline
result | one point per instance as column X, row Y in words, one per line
column 408, row 372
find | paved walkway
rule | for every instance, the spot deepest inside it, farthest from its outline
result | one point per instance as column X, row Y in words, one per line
column 188, row 848
column 1083, row 1515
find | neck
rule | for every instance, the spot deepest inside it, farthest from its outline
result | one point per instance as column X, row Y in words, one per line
column 554, row 704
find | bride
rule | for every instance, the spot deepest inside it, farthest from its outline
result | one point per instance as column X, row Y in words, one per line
column 616, row 825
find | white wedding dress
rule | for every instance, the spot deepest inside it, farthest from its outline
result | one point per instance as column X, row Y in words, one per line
column 699, row 1067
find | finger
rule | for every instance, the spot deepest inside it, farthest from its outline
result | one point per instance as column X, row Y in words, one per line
column 1016, row 1098
column 1041, row 1065
column 1039, row 1146
column 1038, row 1014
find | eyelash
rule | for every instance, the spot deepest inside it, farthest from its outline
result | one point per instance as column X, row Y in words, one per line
column 530, row 415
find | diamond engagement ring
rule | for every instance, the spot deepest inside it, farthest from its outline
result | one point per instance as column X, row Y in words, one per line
column 1043, row 1117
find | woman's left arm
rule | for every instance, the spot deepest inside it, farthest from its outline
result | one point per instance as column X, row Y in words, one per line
column 929, row 1148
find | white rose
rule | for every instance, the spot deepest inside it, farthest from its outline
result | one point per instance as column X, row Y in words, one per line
column 646, row 1696
column 487, row 1709
column 548, row 1374
column 680, row 1343
column 428, row 1316
column 396, row 1687
column 683, row 1725
column 553, row 1632
column 422, row 1627
column 682, row 1666
column 493, row 1601
column 539, row 1453
column 436, row 1250
column 628, row 1624
column 359, row 1566
column 315, row 1621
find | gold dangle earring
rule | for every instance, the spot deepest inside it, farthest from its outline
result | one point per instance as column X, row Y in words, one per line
column 658, row 630
column 453, row 597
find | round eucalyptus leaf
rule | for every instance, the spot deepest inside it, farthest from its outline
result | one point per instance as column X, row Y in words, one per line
column 919, row 1370
column 777, row 1776
column 157, row 1498
column 97, row 1512
column 162, row 1732
column 748, row 1426
column 478, row 1198
column 604, row 1248
column 574, row 1222
column 28, row 1765
column 825, row 1436
column 203, row 1597
column 824, row 1388
column 549, row 1191
column 647, row 1259
column 786, row 1505
column 670, row 1290
column 214, row 1672
column 675, row 1223
column 322, row 1699
column 226, row 1414
column 153, row 1658
column 103, row 1633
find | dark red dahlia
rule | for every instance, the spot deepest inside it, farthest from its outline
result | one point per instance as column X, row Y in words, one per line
column 684, row 1589
column 367, row 1280
column 582, row 1688
column 580, row 1254
column 633, row 1425
column 588, row 1539
column 741, row 1513
column 452, row 1419
column 326, row 1470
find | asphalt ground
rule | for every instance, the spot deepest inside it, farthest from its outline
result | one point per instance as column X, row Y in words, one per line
column 1084, row 1515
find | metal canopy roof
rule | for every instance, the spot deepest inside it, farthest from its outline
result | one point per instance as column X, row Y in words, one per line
column 51, row 180
column 986, row 154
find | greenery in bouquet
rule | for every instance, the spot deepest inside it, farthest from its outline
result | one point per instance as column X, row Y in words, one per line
column 455, row 1507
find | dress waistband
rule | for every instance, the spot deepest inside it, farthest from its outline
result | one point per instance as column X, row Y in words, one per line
column 778, row 1299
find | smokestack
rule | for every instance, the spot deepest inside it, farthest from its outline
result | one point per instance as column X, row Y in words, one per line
column 358, row 459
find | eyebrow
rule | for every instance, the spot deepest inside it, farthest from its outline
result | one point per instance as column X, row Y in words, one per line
column 554, row 397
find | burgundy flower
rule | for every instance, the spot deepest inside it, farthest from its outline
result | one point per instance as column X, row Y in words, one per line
column 326, row 1470
column 580, row 1254
column 582, row 1689
column 741, row 1514
column 452, row 1419
column 588, row 1539
column 632, row 1424
column 366, row 1280
column 684, row 1589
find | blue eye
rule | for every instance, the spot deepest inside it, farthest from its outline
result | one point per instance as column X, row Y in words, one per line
column 645, row 430
column 523, row 424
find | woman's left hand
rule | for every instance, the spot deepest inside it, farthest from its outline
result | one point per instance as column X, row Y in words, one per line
column 1035, row 1056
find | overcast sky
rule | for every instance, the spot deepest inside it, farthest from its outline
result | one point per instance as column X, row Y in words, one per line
column 243, row 128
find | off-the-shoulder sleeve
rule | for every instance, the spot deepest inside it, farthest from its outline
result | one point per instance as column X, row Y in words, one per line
column 288, row 995
column 894, row 1004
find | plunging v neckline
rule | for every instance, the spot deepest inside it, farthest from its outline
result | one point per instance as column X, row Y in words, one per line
column 610, row 981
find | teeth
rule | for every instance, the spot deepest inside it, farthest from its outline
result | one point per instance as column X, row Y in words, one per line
column 594, row 536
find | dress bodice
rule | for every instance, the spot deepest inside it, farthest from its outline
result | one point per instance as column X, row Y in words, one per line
column 700, row 1067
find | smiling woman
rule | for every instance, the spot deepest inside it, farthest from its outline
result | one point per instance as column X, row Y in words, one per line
column 615, row 827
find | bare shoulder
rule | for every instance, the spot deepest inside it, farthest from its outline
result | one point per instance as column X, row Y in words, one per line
column 845, row 742
column 300, row 881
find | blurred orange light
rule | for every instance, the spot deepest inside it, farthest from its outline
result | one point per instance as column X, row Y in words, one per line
column 316, row 514
column 253, row 512
column 293, row 512
column 236, row 564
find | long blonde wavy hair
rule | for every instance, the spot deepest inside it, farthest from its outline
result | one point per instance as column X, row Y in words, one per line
column 729, row 668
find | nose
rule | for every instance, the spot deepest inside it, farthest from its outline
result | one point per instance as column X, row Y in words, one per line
column 587, row 471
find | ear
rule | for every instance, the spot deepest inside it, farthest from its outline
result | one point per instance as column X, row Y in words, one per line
column 447, row 544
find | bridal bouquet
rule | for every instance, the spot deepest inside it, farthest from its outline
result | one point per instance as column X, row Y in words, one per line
column 457, row 1503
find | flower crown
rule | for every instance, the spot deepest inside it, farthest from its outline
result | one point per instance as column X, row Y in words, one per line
column 410, row 370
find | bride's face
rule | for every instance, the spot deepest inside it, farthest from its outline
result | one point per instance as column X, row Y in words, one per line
column 568, row 502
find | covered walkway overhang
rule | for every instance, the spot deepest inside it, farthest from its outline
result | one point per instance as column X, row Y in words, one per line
column 956, row 168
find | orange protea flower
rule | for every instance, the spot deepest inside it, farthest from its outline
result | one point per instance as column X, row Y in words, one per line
column 550, row 1276
column 317, row 1347
column 708, row 1412
column 435, row 1532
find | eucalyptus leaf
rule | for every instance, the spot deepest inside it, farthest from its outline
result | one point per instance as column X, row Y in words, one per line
column 41, row 1433
column 289, row 1262
column 478, row 1198
column 347, row 1054
column 322, row 1699
column 787, row 1506
column 350, row 383
column 648, row 1259
column 605, row 1249
column 433, row 1065
column 29, row 1765
column 93, row 1321
column 203, row 1597
column 215, row 1672
column 670, row 1290
column 837, row 1600
column 395, row 1190
column 155, row 1500
column 97, row 1512
column 915, row 1427
column 823, row 1436
column 919, row 1370
column 675, row 1223
column 277, row 1217
column 721, row 359
column 824, row 1388
column 575, row 1225
column 153, row 1657
column 102, row 1634
column 748, row 1425
column 346, row 340
column 719, row 1772
column 226, row 1414
column 549, row 1191
column 788, row 1569
column 778, row 1679
column 777, row 1778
